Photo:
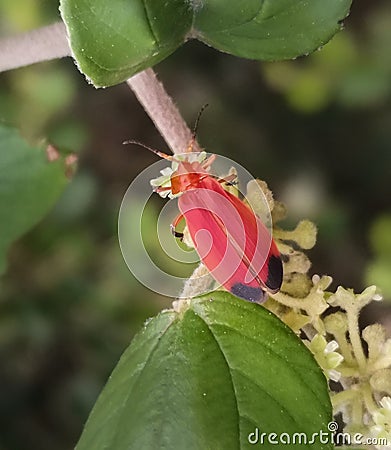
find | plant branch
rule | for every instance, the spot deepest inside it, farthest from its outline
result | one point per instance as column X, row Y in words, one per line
column 43, row 44
column 162, row 110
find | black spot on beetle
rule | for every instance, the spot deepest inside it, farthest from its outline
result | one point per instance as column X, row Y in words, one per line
column 274, row 275
column 252, row 294
column 176, row 233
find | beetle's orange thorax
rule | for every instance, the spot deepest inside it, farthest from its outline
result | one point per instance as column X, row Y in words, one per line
column 187, row 176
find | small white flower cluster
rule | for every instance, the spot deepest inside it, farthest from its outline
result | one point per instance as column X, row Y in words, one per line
column 326, row 356
column 335, row 339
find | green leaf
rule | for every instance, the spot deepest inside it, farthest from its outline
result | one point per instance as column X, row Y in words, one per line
column 29, row 187
column 270, row 29
column 205, row 378
column 113, row 41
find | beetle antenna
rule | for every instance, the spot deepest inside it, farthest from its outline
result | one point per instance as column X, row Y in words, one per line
column 194, row 133
column 157, row 152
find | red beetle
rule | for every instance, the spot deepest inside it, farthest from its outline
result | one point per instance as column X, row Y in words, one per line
column 230, row 239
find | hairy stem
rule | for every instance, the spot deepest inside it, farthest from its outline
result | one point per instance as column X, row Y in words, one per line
column 345, row 348
column 368, row 398
column 162, row 110
column 291, row 302
column 340, row 398
column 348, row 371
column 354, row 335
column 45, row 43
column 198, row 283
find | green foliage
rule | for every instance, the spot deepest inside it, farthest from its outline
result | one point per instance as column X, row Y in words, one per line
column 111, row 44
column 48, row 91
column 353, row 73
column 204, row 376
column 30, row 185
column 68, row 307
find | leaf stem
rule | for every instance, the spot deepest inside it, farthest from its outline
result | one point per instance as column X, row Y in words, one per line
column 43, row 44
column 162, row 110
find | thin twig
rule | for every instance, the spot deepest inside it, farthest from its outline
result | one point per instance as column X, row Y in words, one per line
column 162, row 110
column 45, row 43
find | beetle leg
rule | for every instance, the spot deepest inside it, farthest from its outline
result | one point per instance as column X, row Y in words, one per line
column 174, row 224
column 231, row 180
column 162, row 189
column 208, row 162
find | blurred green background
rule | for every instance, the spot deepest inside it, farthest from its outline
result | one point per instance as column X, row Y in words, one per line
column 317, row 129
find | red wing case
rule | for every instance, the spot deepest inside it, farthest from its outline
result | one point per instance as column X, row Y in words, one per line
column 231, row 241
